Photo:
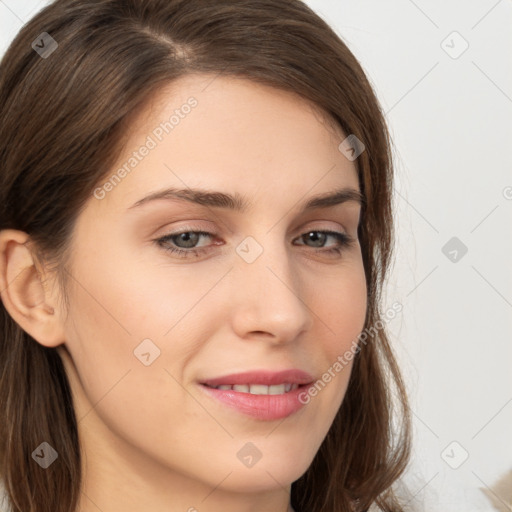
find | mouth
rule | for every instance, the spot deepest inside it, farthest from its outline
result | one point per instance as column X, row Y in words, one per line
column 261, row 395
column 258, row 389
column 260, row 380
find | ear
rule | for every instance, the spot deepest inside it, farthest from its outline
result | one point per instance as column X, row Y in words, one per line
column 24, row 290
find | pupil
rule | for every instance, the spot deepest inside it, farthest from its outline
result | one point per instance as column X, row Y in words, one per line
column 315, row 236
column 190, row 239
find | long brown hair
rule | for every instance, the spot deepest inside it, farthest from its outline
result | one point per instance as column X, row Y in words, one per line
column 62, row 121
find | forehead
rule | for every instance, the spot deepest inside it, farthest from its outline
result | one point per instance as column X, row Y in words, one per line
column 232, row 95
column 231, row 134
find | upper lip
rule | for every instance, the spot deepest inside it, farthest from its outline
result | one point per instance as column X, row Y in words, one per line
column 265, row 377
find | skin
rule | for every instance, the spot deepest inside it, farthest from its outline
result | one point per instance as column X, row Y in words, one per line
column 152, row 440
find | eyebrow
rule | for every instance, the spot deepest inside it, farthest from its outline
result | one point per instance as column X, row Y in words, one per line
column 239, row 203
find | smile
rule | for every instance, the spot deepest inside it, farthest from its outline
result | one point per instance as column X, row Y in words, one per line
column 259, row 389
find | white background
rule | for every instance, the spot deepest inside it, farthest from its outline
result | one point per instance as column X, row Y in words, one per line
column 450, row 116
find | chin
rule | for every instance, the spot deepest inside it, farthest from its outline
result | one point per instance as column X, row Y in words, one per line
column 259, row 481
column 276, row 472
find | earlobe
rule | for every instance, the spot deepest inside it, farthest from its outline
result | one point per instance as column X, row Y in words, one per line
column 23, row 293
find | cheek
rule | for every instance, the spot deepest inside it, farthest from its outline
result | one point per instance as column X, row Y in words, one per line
column 342, row 304
column 126, row 312
column 116, row 324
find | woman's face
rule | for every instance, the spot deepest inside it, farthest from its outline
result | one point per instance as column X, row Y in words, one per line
column 259, row 289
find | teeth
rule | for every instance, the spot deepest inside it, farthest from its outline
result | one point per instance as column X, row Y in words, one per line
column 277, row 389
column 260, row 389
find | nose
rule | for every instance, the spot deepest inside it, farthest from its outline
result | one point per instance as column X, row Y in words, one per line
column 269, row 299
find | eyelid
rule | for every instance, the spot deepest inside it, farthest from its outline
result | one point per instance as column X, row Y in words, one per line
column 344, row 241
column 305, row 227
column 213, row 233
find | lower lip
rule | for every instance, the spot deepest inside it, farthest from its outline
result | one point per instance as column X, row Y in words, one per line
column 262, row 407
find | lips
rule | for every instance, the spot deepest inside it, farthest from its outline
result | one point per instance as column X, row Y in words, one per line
column 264, row 395
column 262, row 378
column 258, row 389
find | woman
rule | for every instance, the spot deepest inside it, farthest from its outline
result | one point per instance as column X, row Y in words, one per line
column 195, row 229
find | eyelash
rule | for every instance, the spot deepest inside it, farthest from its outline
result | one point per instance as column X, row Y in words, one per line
column 344, row 240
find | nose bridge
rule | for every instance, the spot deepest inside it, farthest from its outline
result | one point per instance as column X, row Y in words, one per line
column 269, row 289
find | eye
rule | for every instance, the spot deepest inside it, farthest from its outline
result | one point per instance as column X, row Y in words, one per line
column 343, row 240
column 184, row 243
column 187, row 240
